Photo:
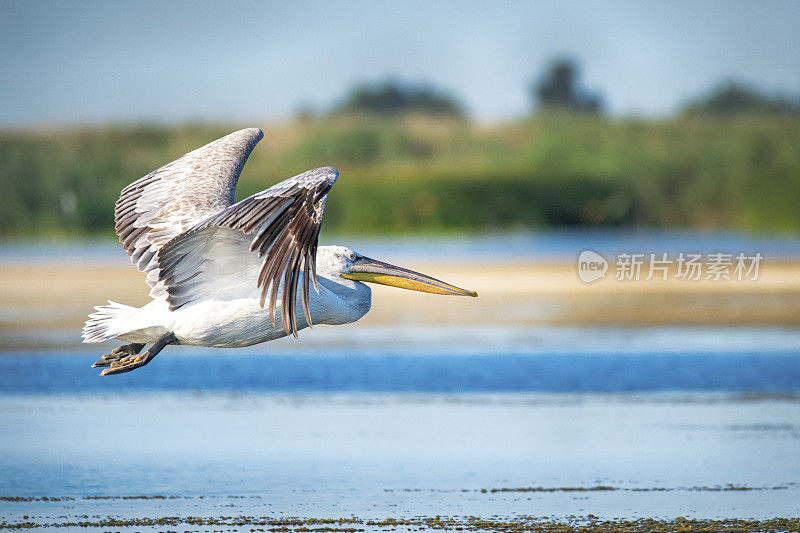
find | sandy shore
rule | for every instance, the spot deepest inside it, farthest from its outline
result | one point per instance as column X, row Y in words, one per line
column 46, row 297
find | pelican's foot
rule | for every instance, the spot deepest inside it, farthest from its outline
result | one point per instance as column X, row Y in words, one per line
column 118, row 354
column 125, row 362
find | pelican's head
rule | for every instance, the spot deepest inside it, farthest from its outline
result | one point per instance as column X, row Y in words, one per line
column 348, row 264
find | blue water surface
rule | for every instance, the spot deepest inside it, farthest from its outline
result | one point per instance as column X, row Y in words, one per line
column 545, row 245
column 387, row 371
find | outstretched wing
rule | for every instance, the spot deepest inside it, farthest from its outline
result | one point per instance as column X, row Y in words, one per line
column 282, row 226
column 168, row 201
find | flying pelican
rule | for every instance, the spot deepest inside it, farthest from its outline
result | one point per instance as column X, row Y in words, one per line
column 213, row 265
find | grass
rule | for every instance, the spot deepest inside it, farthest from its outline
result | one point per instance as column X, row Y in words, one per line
column 421, row 174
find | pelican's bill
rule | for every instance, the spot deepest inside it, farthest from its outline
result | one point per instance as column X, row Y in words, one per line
column 374, row 271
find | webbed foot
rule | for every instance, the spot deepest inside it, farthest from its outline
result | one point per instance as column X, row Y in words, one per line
column 117, row 354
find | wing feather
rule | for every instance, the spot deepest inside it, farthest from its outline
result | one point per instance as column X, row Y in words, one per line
column 283, row 224
column 163, row 204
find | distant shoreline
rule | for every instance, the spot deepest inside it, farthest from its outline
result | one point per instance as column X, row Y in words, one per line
column 43, row 297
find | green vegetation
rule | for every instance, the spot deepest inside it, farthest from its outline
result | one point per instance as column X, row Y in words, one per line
column 415, row 173
column 394, row 97
column 737, row 97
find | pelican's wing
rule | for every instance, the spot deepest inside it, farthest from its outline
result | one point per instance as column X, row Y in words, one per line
column 168, row 201
column 277, row 230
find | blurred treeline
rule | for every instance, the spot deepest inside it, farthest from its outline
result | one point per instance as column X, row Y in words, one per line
column 416, row 168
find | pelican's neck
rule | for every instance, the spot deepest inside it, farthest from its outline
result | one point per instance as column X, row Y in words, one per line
column 355, row 298
column 347, row 300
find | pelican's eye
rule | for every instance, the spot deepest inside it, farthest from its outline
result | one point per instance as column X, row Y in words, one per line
column 352, row 256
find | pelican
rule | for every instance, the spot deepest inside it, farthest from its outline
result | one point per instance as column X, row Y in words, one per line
column 225, row 274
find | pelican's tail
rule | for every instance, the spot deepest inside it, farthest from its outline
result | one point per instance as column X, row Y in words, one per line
column 107, row 322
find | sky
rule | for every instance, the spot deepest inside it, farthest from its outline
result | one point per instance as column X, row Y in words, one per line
column 92, row 62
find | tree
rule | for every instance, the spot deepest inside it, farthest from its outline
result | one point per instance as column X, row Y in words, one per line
column 736, row 97
column 558, row 90
column 393, row 97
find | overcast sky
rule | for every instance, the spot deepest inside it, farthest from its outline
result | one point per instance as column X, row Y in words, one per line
column 77, row 62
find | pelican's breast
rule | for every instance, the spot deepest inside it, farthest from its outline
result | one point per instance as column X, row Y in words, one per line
column 233, row 323
column 227, row 323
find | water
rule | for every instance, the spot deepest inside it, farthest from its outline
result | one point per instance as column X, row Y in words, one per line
column 443, row 360
column 376, row 456
column 381, row 421
column 613, row 422
column 391, row 371
column 550, row 245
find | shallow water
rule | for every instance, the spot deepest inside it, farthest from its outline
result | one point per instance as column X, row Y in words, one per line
column 535, row 425
column 444, row 359
column 375, row 456
column 546, row 245
column 339, row 370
